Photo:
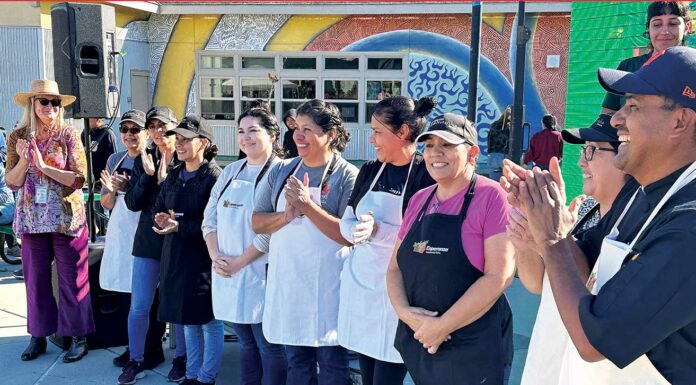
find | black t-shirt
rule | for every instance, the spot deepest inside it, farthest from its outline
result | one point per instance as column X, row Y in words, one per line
column 392, row 180
column 615, row 102
column 289, row 145
column 649, row 306
column 103, row 142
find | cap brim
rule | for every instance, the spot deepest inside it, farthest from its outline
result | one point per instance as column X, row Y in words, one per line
column 183, row 132
column 622, row 82
column 446, row 135
column 162, row 119
column 140, row 124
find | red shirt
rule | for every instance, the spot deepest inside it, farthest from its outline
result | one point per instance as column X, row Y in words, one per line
column 544, row 145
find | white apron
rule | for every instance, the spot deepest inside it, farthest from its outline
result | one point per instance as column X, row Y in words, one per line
column 239, row 298
column 366, row 319
column 116, row 269
column 575, row 370
column 304, row 266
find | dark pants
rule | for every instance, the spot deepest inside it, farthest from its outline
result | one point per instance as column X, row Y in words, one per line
column 262, row 362
column 302, row 365
column 73, row 314
column 376, row 372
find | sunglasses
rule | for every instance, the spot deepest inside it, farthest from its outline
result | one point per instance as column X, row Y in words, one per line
column 52, row 102
column 132, row 130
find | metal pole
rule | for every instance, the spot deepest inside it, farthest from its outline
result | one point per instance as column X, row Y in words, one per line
column 516, row 133
column 474, row 60
column 90, row 183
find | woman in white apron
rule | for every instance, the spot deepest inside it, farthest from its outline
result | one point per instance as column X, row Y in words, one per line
column 602, row 181
column 366, row 320
column 117, row 261
column 300, row 207
column 238, row 254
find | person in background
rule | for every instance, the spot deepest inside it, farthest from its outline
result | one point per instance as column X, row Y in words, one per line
column 300, row 207
column 289, row 145
column 185, row 276
column 366, row 320
column 150, row 169
column 498, row 138
column 46, row 164
column 7, row 205
column 451, row 265
column 103, row 145
column 667, row 24
column 239, row 255
column 545, row 144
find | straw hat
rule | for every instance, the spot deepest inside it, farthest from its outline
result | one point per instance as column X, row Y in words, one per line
column 43, row 87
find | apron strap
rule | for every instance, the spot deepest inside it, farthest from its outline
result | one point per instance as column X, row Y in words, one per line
column 467, row 199
column 324, row 179
column 265, row 168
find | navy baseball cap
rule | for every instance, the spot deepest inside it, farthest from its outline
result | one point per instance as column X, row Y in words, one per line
column 670, row 73
column 192, row 127
column 600, row 131
column 453, row 128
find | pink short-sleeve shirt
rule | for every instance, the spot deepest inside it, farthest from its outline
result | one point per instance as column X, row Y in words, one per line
column 486, row 217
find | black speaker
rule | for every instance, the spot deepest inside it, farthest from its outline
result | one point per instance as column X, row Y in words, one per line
column 83, row 40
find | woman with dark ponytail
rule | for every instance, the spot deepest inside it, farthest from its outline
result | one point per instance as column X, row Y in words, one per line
column 300, row 207
column 238, row 254
column 366, row 322
column 185, row 274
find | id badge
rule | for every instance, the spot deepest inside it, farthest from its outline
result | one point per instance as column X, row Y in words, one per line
column 41, row 194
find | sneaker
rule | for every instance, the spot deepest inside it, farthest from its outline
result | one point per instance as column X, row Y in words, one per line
column 18, row 274
column 122, row 360
column 178, row 372
column 189, row 381
column 133, row 371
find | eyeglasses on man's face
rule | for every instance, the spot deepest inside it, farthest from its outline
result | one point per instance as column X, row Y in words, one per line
column 589, row 151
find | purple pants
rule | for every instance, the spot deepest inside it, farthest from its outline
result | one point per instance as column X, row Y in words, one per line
column 73, row 314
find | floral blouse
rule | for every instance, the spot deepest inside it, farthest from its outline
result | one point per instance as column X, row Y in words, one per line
column 64, row 210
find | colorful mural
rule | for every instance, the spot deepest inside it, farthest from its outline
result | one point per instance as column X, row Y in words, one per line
column 438, row 48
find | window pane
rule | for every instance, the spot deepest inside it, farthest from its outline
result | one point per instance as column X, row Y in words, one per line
column 299, row 63
column 299, row 89
column 341, row 89
column 217, row 109
column 385, row 64
column 381, row 89
column 258, row 62
column 256, row 88
column 349, row 112
column 217, row 88
column 217, row 62
column 339, row 63
column 246, row 103
column 289, row 105
column 369, row 110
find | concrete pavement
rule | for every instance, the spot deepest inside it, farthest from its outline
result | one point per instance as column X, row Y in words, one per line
column 96, row 367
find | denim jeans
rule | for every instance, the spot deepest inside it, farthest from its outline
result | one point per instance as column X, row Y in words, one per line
column 262, row 363
column 204, row 350
column 145, row 279
column 302, row 365
column 495, row 165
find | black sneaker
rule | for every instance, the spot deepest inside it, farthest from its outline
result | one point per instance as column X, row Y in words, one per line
column 189, row 381
column 122, row 360
column 178, row 372
column 132, row 372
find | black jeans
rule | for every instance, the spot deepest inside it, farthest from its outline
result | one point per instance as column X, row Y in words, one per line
column 376, row 372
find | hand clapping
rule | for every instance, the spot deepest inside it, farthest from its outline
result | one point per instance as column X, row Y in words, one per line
column 166, row 222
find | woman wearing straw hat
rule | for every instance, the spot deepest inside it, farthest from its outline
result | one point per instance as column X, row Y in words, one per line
column 46, row 165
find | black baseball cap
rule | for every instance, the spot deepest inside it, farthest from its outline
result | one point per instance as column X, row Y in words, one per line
column 135, row 116
column 192, row 127
column 162, row 113
column 453, row 128
column 670, row 73
column 600, row 131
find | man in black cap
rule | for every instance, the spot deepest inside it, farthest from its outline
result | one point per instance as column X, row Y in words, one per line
column 637, row 308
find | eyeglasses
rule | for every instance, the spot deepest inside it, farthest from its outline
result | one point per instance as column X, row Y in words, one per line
column 53, row 102
column 132, row 130
column 589, row 151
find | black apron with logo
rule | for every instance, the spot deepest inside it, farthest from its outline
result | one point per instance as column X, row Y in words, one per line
column 436, row 273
